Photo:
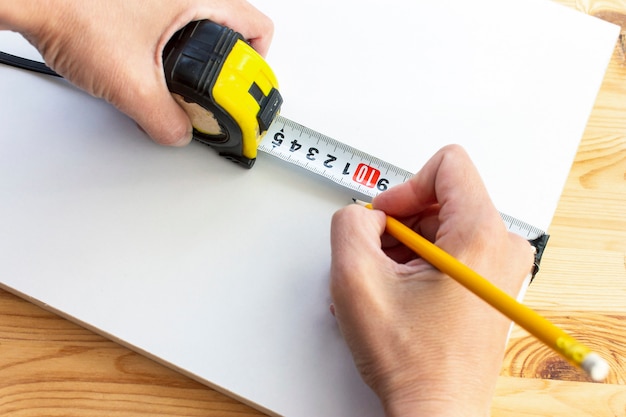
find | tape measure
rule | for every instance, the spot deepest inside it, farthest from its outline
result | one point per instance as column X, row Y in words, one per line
column 322, row 155
column 231, row 96
column 228, row 90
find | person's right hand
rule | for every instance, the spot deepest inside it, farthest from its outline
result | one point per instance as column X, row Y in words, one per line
column 426, row 345
column 113, row 49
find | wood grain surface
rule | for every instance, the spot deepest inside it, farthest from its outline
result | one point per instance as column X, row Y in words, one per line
column 582, row 283
column 52, row 367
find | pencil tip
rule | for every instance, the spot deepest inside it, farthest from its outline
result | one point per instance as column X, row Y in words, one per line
column 359, row 202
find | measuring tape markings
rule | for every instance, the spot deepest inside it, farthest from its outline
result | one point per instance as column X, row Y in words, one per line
column 330, row 158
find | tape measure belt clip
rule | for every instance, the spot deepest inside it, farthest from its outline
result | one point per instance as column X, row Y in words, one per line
column 269, row 106
column 229, row 91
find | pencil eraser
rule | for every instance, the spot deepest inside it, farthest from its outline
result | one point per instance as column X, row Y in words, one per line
column 596, row 367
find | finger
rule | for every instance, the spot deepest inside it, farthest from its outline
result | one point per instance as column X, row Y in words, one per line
column 356, row 250
column 166, row 122
column 356, row 230
column 151, row 105
column 466, row 214
column 451, row 181
column 448, row 175
column 243, row 17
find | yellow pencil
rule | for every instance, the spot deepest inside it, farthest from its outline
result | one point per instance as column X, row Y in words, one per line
column 571, row 349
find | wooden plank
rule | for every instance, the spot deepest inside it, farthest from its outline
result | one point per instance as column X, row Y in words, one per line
column 519, row 397
column 610, row 10
column 50, row 366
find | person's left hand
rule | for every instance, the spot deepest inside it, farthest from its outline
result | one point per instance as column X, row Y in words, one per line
column 113, row 49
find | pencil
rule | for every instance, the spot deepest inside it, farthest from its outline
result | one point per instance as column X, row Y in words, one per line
column 540, row 327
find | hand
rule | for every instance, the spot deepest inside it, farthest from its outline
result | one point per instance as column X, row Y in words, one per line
column 425, row 344
column 113, row 49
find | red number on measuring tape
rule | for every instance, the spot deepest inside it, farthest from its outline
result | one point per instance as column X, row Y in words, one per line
column 366, row 175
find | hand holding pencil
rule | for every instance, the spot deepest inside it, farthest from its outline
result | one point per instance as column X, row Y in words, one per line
column 425, row 344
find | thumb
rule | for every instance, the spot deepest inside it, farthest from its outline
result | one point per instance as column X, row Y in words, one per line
column 160, row 116
column 356, row 251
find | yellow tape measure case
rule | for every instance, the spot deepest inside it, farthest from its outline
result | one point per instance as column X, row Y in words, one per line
column 228, row 90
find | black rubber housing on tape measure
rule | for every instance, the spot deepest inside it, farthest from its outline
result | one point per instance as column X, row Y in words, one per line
column 192, row 59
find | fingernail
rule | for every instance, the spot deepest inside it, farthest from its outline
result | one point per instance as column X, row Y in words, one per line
column 183, row 141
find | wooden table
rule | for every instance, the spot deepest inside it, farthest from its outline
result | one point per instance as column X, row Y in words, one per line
column 52, row 367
